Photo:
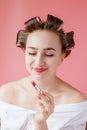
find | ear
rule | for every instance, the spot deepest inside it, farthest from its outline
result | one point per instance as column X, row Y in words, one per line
column 63, row 55
column 61, row 58
column 23, row 49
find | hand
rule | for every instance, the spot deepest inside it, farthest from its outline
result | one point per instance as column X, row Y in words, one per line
column 45, row 107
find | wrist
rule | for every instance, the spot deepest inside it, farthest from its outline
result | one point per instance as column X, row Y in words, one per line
column 42, row 125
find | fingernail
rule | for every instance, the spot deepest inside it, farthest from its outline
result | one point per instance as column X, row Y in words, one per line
column 39, row 97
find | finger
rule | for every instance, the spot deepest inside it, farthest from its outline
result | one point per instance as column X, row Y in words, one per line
column 45, row 108
column 49, row 96
column 45, row 103
column 46, row 97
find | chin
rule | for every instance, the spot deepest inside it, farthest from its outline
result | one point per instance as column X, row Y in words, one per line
column 37, row 77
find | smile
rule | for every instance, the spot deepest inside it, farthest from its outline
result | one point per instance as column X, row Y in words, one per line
column 40, row 69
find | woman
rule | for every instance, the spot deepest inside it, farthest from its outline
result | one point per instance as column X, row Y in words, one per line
column 58, row 105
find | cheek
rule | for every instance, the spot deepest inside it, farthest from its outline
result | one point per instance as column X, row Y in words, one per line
column 28, row 59
column 56, row 62
column 54, row 66
column 28, row 62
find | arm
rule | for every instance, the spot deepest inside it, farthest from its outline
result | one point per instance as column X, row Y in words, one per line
column 44, row 110
column 41, row 126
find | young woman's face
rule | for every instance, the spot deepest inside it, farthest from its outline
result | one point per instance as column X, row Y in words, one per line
column 43, row 54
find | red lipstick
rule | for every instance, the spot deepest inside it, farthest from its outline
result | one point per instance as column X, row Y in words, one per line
column 39, row 69
column 36, row 87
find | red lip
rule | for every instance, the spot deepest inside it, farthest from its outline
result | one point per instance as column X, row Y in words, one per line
column 40, row 69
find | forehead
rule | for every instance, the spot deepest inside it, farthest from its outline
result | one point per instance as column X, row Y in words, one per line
column 43, row 38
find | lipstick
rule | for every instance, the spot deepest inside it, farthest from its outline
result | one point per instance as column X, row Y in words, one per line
column 36, row 87
column 39, row 70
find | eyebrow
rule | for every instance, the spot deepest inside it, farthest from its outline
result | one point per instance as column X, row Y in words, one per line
column 49, row 48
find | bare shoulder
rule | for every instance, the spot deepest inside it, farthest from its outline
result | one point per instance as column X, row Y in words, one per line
column 7, row 87
column 72, row 94
column 9, row 90
column 75, row 95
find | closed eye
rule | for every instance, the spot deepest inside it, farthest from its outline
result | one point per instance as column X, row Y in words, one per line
column 49, row 55
column 32, row 53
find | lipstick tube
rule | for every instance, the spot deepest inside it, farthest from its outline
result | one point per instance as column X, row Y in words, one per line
column 36, row 87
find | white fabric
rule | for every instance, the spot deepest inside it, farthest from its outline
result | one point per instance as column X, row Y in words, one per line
column 64, row 117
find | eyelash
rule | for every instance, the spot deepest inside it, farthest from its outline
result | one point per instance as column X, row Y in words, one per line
column 49, row 55
column 32, row 53
column 45, row 54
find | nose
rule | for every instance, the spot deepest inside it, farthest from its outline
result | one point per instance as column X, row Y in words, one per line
column 39, row 60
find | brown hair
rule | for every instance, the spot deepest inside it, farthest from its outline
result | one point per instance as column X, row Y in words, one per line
column 52, row 24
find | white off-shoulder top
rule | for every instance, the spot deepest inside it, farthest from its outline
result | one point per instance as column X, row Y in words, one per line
column 65, row 117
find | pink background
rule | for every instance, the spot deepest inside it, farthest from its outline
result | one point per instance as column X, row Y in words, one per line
column 13, row 13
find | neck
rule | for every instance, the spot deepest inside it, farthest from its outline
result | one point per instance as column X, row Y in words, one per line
column 48, row 84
